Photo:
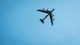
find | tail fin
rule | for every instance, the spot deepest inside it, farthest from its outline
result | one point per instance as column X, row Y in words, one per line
column 42, row 20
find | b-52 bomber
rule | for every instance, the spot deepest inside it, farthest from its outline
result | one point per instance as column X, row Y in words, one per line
column 49, row 13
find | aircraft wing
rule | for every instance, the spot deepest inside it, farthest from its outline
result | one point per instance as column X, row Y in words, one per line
column 43, row 11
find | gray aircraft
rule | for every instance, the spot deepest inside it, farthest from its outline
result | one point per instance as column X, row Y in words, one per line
column 49, row 13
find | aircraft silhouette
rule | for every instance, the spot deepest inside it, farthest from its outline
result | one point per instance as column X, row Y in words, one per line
column 49, row 14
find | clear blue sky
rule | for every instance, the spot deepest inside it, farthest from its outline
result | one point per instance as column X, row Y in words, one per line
column 20, row 23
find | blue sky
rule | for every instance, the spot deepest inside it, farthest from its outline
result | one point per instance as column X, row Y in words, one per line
column 20, row 23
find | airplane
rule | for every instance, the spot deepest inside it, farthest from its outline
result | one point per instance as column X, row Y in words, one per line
column 49, row 13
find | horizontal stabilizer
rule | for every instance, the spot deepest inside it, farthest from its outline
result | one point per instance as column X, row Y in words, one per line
column 42, row 20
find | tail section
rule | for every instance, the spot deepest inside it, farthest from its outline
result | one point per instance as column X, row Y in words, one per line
column 42, row 20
